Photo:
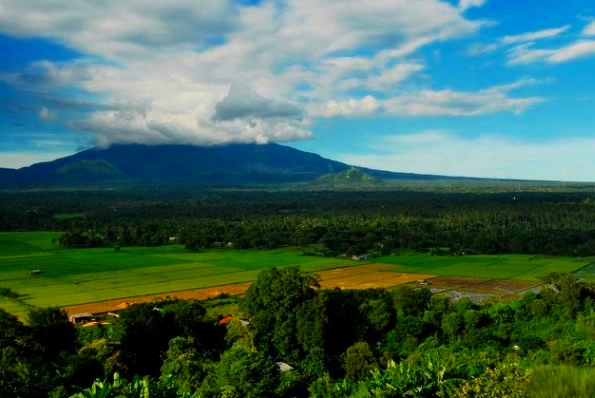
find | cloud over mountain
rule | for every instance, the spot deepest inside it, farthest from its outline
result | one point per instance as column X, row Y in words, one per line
column 217, row 72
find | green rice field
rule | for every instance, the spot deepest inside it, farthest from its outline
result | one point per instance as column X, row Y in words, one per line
column 76, row 276
column 509, row 266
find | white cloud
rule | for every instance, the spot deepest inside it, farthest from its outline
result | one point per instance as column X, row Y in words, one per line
column 589, row 30
column 517, row 84
column 453, row 103
column 532, row 36
column 466, row 4
column 161, row 72
column 434, row 103
column 384, row 80
column 524, row 54
column 492, row 156
column 573, row 51
column 117, row 29
column 352, row 107
column 481, row 49
column 243, row 103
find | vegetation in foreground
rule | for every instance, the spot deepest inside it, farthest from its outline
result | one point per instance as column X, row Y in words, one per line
column 302, row 341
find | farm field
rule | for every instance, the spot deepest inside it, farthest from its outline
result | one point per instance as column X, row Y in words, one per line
column 195, row 294
column 367, row 276
column 354, row 277
column 503, row 266
column 75, row 276
column 71, row 277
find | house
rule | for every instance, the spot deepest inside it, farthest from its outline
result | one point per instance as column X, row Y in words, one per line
column 225, row 320
column 80, row 318
column 360, row 256
column 283, row 367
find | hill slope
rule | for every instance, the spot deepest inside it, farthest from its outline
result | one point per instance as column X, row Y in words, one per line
column 350, row 179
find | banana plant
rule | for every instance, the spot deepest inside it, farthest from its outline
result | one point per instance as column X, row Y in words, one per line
column 118, row 388
column 99, row 389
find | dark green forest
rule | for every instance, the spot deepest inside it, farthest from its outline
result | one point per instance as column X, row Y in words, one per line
column 324, row 223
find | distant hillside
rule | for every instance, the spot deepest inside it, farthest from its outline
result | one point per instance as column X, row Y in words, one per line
column 6, row 172
column 234, row 164
column 350, row 179
column 8, row 175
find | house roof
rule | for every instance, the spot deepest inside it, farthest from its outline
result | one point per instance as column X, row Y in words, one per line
column 225, row 320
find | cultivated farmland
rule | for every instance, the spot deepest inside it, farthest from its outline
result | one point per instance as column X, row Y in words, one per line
column 70, row 277
column 74, row 276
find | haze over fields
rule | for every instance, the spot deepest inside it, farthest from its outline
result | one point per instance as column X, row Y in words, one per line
column 480, row 88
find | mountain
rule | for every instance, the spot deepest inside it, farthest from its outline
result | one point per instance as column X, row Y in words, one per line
column 233, row 164
column 8, row 175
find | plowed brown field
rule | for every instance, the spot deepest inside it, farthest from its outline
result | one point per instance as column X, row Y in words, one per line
column 367, row 276
column 476, row 285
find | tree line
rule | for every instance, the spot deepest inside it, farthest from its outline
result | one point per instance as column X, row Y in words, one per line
column 460, row 231
column 324, row 223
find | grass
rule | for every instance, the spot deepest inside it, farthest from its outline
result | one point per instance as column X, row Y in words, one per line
column 77, row 276
column 74, row 276
column 560, row 381
column 504, row 266
column 15, row 307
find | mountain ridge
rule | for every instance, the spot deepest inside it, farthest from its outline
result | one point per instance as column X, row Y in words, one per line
column 232, row 164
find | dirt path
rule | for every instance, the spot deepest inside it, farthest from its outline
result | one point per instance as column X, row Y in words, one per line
column 121, row 303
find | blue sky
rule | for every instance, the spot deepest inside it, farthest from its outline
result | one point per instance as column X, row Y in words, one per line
column 479, row 88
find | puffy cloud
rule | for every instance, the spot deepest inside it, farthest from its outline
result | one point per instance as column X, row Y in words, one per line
column 159, row 127
column 351, row 107
column 434, row 103
column 243, row 103
column 117, row 29
column 162, row 72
